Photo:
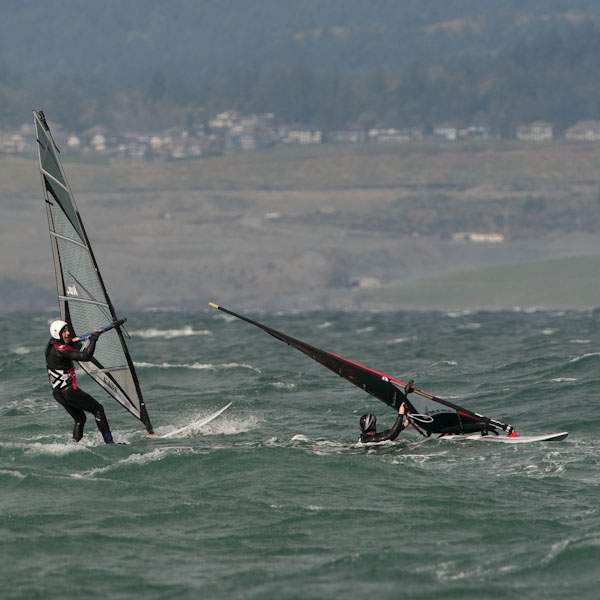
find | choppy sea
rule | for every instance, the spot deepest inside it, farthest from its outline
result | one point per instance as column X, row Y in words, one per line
column 273, row 499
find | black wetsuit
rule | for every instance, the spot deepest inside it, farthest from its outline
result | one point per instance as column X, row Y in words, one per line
column 61, row 371
column 384, row 436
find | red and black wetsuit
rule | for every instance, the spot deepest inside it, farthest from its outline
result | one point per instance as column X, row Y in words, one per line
column 61, row 371
column 384, row 436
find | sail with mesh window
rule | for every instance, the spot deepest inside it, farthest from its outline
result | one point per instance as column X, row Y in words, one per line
column 82, row 297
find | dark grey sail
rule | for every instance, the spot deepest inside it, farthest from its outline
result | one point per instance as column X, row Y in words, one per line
column 82, row 297
column 431, row 414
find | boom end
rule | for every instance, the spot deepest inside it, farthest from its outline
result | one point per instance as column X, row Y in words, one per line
column 213, row 305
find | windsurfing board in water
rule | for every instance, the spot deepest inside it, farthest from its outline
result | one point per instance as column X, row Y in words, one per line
column 505, row 439
column 197, row 424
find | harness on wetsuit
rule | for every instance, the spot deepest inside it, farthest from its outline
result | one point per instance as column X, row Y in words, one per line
column 61, row 370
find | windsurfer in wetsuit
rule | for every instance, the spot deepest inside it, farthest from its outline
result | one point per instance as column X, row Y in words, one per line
column 368, row 425
column 61, row 351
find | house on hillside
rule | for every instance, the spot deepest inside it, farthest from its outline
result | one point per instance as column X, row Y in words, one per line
column 584, row 130
column 394, row 135
column 251, row 133
column 446, row 133
column 347, row 136
column 539, row 131
column 473, row 236
column 300, row 136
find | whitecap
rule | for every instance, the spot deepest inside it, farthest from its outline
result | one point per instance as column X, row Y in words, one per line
column 168, row 334
column 403, row 340
column 459, row 313
column 197, row 366
column 283, row 386
column 584, row 356
column 138, row 459
column 16, row 474
column 21, row 350
column 54, row 448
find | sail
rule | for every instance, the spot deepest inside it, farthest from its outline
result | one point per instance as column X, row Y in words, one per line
column 431, row 414
column 82, row 296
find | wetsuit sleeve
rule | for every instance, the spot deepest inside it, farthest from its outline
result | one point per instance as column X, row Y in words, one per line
column 81, row 355
column 388, row 434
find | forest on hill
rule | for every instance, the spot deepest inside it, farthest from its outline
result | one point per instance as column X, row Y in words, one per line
column 327, row 65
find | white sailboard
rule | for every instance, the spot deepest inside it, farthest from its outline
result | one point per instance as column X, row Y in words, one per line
column 196, row 424
column 507, row 439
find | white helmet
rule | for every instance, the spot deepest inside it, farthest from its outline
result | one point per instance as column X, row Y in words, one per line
column 56, row 327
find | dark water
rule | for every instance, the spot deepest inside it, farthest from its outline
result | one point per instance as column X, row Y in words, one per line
column 273, row 499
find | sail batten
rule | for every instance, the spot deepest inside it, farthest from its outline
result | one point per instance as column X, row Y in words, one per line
column 82, row 297
column 83, row 300
column 67, row 239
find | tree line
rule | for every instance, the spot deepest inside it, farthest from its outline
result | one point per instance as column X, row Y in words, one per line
column 554, row 78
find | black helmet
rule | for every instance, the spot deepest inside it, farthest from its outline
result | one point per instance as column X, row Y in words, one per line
column 368, row 422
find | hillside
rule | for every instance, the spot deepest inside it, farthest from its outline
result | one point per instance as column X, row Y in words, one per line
column 118, row 43
column 332, row 226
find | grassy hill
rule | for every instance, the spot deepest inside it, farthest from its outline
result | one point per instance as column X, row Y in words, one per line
column 336, row 226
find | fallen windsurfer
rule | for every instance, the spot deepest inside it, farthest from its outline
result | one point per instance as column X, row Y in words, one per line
column 368, row 425
column 61, row 351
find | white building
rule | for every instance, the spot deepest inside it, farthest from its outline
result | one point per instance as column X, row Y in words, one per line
column 535, row 132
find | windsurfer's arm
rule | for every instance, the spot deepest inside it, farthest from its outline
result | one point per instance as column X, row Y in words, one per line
column 390, row 434
column 78, row 339
column 402, row 411
column 80, row 355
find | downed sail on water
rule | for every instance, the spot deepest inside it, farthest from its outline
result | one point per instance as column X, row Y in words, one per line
column 431, row 414
column 82, row 297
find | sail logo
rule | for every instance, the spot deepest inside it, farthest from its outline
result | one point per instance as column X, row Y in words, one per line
column 72, row 290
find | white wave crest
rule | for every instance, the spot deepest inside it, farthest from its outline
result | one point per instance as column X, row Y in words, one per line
column 198, row 366
column 16, row 474
column 283, row 386
column 54, row 448
column 21, row 350
column 139, row 459
column 169, row 334
column 403, row 340
column 584, row 356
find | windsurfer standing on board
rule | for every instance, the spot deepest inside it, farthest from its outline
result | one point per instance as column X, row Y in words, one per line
column 61, row 351
column 368, row 425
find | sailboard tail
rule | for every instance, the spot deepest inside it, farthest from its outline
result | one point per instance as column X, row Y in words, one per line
column 432, row 414
column 82, row 297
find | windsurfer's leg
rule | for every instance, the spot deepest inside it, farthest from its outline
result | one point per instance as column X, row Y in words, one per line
column 76, row 413
column 84, row 401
